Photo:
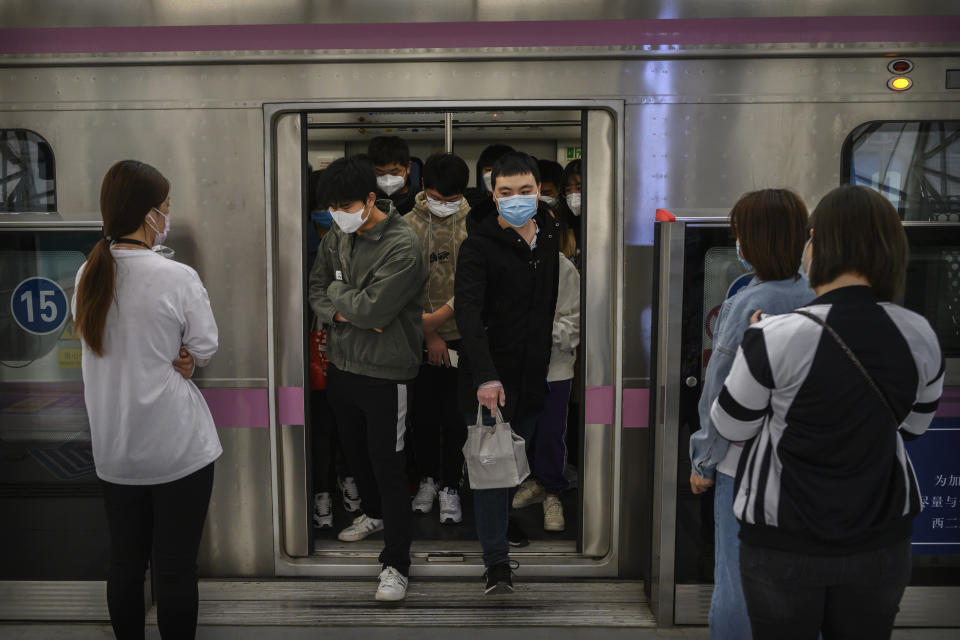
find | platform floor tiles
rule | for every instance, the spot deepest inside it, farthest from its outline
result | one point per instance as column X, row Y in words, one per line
column 346, row 610
column 103, row 632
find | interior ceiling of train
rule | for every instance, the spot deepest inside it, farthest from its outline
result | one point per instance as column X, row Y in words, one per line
column 128, row 13
column 475, row 125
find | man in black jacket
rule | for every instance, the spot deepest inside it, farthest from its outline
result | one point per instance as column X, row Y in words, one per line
column 506, row 292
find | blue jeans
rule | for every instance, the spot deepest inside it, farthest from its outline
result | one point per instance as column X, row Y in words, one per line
column 728, row 608
column 492, row 506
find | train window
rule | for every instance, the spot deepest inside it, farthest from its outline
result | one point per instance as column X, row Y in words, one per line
column 916, row 164
column 48, row 487
column 27, row 172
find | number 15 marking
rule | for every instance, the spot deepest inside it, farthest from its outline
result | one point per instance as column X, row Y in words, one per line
column 45, row 305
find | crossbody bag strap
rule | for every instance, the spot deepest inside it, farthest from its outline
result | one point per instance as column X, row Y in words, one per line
column 856, row 362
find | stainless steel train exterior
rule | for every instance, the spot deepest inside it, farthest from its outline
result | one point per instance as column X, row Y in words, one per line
column 686, row 126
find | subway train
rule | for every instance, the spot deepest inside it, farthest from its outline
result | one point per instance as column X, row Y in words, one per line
column 675, row 109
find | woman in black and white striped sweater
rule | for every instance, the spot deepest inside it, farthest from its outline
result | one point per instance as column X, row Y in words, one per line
column 825, row 491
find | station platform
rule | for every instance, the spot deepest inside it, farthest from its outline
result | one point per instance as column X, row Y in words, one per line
column 241, row 610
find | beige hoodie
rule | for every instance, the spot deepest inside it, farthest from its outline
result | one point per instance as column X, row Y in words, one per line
column 440, row 239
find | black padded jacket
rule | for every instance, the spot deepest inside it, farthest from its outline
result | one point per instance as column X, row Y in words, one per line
column 505, row 296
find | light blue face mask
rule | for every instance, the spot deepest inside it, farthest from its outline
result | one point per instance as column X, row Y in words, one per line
column 517, row 210
column 743, row 261
column 322, row 218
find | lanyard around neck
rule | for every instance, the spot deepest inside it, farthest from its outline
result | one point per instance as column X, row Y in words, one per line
column 130, row 241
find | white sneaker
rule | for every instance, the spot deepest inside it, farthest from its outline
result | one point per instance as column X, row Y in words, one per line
column 361, row 528
column 553, row 514
column 450, row 510
column 322, row 511
column 530, row 492
column 393, row 586
column 423, row 501
column 351, row 496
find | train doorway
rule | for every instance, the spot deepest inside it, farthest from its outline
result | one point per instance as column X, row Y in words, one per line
column 305, row 138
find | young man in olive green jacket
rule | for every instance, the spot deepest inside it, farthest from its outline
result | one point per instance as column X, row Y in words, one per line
column 366, row 285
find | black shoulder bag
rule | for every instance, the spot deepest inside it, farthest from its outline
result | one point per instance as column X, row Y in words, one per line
column 856, row 362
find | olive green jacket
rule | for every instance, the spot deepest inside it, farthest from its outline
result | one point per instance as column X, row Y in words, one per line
column 375, row 280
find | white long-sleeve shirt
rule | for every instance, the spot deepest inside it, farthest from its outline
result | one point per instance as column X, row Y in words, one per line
column 566, row 323
column 148, row 425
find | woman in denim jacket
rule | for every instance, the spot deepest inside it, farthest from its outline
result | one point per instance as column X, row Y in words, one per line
column 771, row 228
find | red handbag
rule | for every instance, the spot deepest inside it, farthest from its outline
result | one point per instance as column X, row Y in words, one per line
column 318, row 357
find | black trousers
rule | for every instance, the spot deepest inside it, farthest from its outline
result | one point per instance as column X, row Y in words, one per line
column 324, row 443
column 797, row 596
column 438, row 428
column 166, row 519
column 371, row 415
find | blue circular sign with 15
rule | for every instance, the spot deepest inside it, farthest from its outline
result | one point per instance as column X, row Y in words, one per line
column 39, row 306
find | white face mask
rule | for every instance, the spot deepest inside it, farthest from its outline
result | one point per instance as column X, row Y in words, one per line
column 443, row 209
column 159, row 236
column 349, row 222
column 488, row 180
column 573, row 201
column 548, row 200
column 390, row 184
column 804, row 262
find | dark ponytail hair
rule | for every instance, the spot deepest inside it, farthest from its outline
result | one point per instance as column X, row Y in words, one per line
column 129, row 191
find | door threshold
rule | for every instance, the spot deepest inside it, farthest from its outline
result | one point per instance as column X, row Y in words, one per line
column 426, row 548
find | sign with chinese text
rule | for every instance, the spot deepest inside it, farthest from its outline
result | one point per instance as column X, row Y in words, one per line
column 936, row 461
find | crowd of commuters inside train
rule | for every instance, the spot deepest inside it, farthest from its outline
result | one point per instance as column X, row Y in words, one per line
column 487, row 287
column 436, row 306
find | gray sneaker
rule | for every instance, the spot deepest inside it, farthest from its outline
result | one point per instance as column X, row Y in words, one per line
column 393, row 585
column 450, row 511
column 361, row 528
column 553, row 514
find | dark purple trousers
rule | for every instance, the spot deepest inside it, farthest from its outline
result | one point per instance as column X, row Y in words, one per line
column 547, row 453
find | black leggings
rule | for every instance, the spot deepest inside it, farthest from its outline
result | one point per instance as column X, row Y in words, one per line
column 168, row 520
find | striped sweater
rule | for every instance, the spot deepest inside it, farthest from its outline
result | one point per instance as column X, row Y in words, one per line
column 825, row 470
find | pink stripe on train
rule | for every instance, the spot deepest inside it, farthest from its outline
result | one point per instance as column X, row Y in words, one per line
column 455, row 35
column 249, row 408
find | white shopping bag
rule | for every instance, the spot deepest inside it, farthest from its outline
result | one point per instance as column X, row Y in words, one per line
column 496, row 456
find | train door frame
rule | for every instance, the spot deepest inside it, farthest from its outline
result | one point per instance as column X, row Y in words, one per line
column 602, row 360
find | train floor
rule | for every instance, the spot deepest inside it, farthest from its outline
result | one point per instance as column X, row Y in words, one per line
column 429, row 533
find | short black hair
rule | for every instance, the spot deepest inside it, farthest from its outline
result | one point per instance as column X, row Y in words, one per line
column 552, row 172
column 384, row 150
column 447, row 173
column 490, row 155
column 772, row 227
column 346, row 180
column 573, row 168
column 857, row 230
column 515, row 163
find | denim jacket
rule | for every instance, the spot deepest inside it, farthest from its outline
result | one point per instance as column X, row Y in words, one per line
column 707, row 447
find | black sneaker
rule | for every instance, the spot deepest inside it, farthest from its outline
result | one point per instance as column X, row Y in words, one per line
column 515, row 535
column 499, row 579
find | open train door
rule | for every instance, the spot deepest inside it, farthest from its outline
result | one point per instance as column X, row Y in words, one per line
column 591, row 547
